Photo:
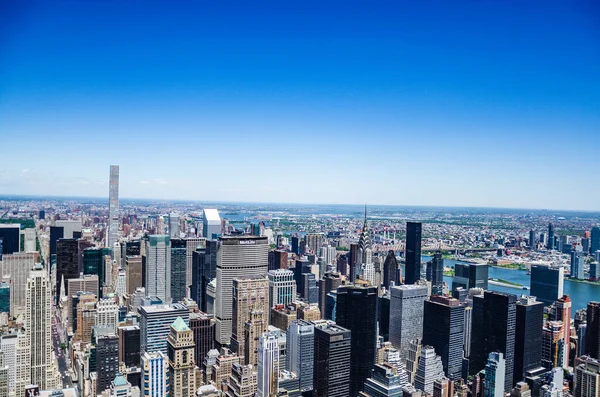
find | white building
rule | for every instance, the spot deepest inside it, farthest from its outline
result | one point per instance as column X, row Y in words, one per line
column 174, row 225
column 282, row 287
column 15, row 347
column 38, row 328
column 300, row 352
column 495, row 369
column 107, row 313
column 155, row 373
column 429, row 370
column 268, row 365
column 14, row 269
column 158, row 267
column 211, row 224
column 29, row 245
column 69, row 226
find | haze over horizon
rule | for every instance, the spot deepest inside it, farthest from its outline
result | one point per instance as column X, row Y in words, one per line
column 446, row 104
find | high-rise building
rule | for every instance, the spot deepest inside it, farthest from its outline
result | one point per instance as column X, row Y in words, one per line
column 470, row 275
column 547, row 283
column 332, row 360
column 242, row 381
column 391, row 270
column 237, row 257
column 300, row 352
column 268, row 365
column 313, row 241
column 204, row 270
column 435, row 272
column 406, row 315
column 129, row 345
column 356, row 310
column 4, row 297
column 178, row 269
column 113, row 206
column 282, row 287
column 278, row 260
column 429, row 369
column 4, row 390
column 353, row 259
column 192, row 244
column 15, row 270
column 158, row 267
column 592, row 335
column 71, row 227
column 133, row 272
column 174, row 225
column 587, row 377
column 10, row 234
column 553, row 348
column 155, row 321
column 331, row 282
column 155, row 374
column 528, row 336
column 495, row 370
column 67, row 260
column 17, row 354
column 577, row 264
column 385, row 382
column 595, row 239
column 443, row 329
column 107, row 312
column 532, row 239
column 56, row 233
column 107, row 356
column 249, row 294
column 38, row 327
column 203, row 327
column 496, row 314
column 211, row 223
column 550, row 240
column 182, row 373
column 413, row 252
column 561, row 311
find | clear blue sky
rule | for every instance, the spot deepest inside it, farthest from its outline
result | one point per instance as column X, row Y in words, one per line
column 478, row 103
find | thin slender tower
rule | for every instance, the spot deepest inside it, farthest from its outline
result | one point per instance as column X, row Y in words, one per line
column 113, row 209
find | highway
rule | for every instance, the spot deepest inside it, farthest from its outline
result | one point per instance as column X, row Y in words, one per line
column 59, row 337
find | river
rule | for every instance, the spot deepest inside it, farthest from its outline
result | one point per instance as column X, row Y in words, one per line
column 580, row 293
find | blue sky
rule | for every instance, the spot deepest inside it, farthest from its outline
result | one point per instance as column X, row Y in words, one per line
column 419, row 103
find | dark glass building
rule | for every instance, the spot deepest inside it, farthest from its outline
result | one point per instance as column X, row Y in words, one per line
column 56, row 233
column 203, row 327
column 595, row 240
column 592, row 335
column 330, row 282
column 11, row 238
column 107, row 356
column 278, row 260
column 310, row 293
column 67, row 259
column 443, row 329
column 132, row 248
column 178, row 269
column 550, row 244
column 383, row 316
column 332, row 361
column 302, row 266
column 204, row 269
column 413, row 252
column 528, row 336
column 356, row 310
column 496, row 314
column 129, row 345
column 391, row 270
column 296, row 245
column 352, row 258
column 435, row 272
column 4, row 297
column 546, row 283
column 93, row 263
column 470, row 275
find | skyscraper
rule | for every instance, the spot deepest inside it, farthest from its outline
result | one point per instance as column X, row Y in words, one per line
column 331, row 282
column 174, row 225
column 107, row 356
column 495, row 370
column 268, row 365
column 470, row 275
column 561, row 311
column 15, row 270
column 332, row 360
column 203, row 327
column 133, row 271
column 435, row 273
column 300, row 352
column 204, row 270
column 155, row 374
column 587, row 377
column 385, row 382
column 406, row 315
column 211, row 223
column 547, row 283
column 155, row 321
column 180, row 346
column 413, row 252
column 158, row 267
column 429, row 370
column 178, row 269
column 550, row 241
column 496, row 315
column 38, row 327
column 592, row 335
column 249, row 294
column 237, row 257
column 282, row 287
column 595, row 239
column 356, row 310
column 443, row 329
column 528, row 336
column 66, row 263
column 191, row 245
column 391, row 270
column 113, row 206
column 10, row 234
column 577, row 263
column 129, row 345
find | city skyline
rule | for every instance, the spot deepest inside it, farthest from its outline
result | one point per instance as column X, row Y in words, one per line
column 489, row 119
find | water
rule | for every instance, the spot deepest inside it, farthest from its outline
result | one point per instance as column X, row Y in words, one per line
column 580, row 293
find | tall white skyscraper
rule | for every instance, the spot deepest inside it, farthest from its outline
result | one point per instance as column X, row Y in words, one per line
column 174, row 225
column 38, row 327
column 155, row 368
column 113, row 206
column 429, row 370
column 211, row 225
column 282, row 287
column 268, row 365
column 3, row 376
column 14, row 268
column 237, row 257
column 158, row 267
column 17, row 357
column 107, row 313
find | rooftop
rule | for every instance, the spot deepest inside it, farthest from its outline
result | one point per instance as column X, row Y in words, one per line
column 179, row 325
